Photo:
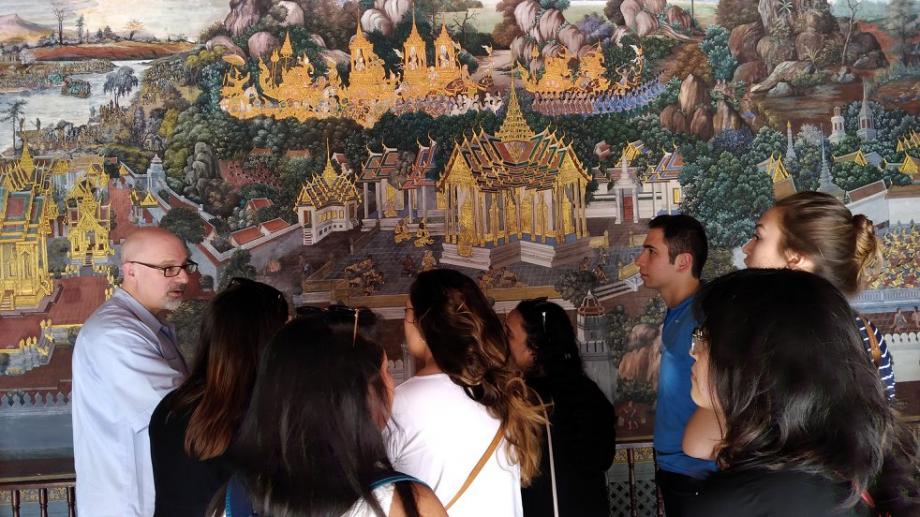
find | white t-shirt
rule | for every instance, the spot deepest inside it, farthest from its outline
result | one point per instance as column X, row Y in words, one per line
column 383, row 494
column 437, row 433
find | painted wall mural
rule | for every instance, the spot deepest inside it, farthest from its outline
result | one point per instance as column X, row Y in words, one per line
column 334, row 149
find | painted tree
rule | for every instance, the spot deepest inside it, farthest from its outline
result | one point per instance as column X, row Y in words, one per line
column 726, row 196
column 715, row 46
column 61, row 11
column 853, row 7
column 902, row 22
column 239, row 265
column 81, row 22
column 133, row 27
column 766, row 142
column 120, row 82
column 13, row 113
column 185, row 223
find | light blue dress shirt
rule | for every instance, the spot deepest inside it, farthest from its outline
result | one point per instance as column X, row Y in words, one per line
column 124, row 361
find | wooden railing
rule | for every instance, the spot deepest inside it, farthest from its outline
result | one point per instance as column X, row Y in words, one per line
column 41, row 490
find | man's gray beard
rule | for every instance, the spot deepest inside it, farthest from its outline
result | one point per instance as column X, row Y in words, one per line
column 171, row 305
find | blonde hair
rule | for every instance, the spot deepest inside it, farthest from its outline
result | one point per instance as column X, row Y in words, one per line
column 468, row 343
column 842, row 246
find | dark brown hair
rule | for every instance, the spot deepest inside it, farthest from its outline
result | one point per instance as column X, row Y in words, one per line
column 788, row 369
column 236, row 326
column 842, row 246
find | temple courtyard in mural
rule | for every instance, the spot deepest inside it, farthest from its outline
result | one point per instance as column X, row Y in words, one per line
column 336, row 149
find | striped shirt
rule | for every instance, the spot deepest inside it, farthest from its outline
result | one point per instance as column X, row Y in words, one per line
column 885, row 369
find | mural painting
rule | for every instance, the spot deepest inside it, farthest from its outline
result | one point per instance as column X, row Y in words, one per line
column 335, row 149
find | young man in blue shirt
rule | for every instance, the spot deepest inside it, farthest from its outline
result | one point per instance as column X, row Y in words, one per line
column 671, row 262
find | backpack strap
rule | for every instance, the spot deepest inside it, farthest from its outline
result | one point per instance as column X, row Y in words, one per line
column 481, row 463
column 236, row 500
column 396, row 477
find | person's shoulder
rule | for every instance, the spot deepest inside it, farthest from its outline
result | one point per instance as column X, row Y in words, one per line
column 425, row 386
column 426, row 501
column 769, row 492
column 166, row 411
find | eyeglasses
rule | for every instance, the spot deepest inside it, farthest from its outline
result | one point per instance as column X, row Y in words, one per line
column 698, row 337
column 171, row 271
column 306, row 310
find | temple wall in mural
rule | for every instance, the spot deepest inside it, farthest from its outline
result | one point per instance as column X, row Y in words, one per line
column 334, row 149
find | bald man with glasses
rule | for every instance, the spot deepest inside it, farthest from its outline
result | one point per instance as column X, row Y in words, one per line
column 125, row 360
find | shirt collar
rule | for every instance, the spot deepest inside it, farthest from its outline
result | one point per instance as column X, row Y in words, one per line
column 142, row 313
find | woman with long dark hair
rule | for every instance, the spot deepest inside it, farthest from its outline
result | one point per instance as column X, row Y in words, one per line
column 806, row 427
column 580, row 441
column 311, row 442
column 466, row 423
column 193, row 426
column 817, row 233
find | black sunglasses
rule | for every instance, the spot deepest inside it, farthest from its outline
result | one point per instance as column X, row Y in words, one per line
column 538, row 301
column 308, row 310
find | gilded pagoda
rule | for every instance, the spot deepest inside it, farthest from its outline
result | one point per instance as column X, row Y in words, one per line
column 88, row 218
column 515, row 196
column 558, row 77
column 327, row 203
column 289, row 86
column 26, row 209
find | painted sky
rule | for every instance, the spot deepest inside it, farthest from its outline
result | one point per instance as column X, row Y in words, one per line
column 160, row 17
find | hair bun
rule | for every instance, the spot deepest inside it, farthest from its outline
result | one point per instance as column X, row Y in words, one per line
column 868, row 251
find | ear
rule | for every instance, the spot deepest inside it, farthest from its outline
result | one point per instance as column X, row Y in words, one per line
column 684, row 262
column 797, row 261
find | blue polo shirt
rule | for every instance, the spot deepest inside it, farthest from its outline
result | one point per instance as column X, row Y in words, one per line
column 675, row 407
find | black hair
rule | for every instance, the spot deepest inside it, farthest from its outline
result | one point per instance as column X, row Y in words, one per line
column 311, row 443
column 683, row 234
column 551, row 337
column 788, row 369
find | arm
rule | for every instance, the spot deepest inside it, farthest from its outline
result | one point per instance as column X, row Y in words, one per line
column 584, row 427
column 702, row 435
column 133, row 374
column 885, row 366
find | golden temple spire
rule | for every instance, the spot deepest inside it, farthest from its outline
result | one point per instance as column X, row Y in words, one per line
column 514, row 127
column 287, row 50
column 329, row 173
column 25, row 160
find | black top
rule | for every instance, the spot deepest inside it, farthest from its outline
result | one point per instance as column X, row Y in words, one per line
column 184, row 485
column 583, row 426
column 763, row 493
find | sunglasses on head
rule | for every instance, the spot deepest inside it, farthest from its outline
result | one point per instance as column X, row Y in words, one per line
column 308, row 310
column 540, row 300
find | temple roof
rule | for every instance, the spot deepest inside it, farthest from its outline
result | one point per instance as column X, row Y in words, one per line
column 669, row 167
column 774, row 167
column 329, row 188
column 515, row 156
column 381, row 165
column 422, row 169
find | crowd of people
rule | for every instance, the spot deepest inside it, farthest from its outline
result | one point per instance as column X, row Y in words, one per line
column 774, row 396
column 903, row 263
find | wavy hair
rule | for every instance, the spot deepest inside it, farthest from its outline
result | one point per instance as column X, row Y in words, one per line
column 236, row 326
column 788, row 369
column 842, row 246
column 468, row 343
